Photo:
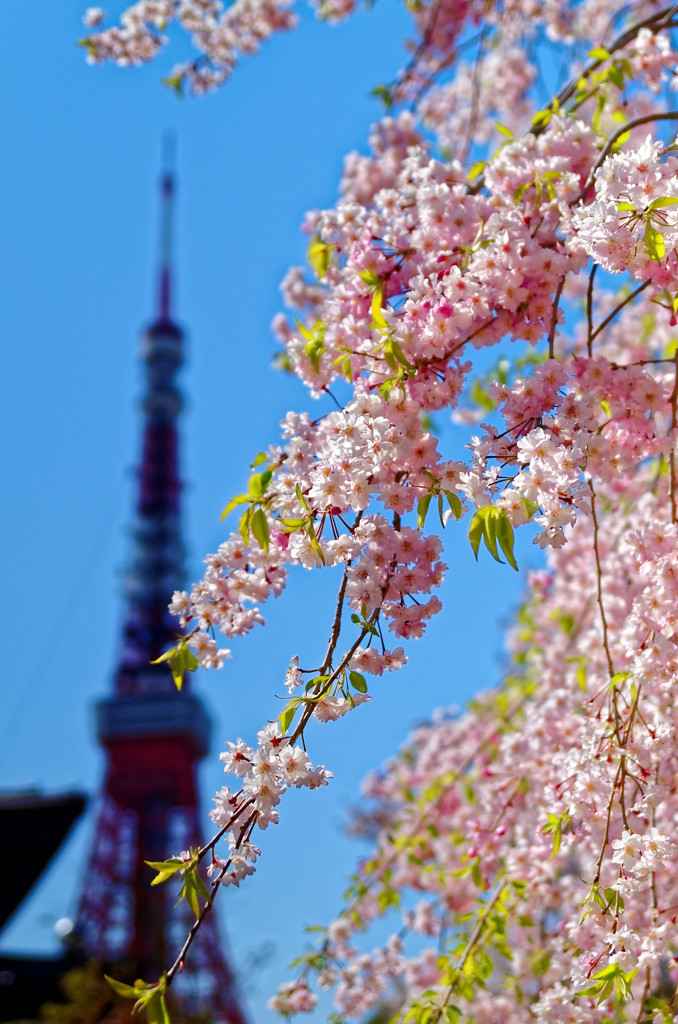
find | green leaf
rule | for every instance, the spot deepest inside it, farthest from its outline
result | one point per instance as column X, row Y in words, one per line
column 616, row 76
column 377, row 315
column 599, row 53
column 126, row 991
column 358, row 682
column 289, row 525
column 175, row 82
column 370, row 278
column 503, row 130
column 314, row 349
column 245, row 524
column 663, row 201
column 389, row 354
column 383, row 93
column 287, row 717
column 192, row 889
column 165, row 868
column 477, row 168
column 654, row 242
column 397, row 351
column 315, row 544
column 149, row 998
column 302, row 499
column 155, row 1008
column 258, row 483
column 422, row 509
column 258, row 459
column 240, row 499
column 624, row 207
column 304, row 331
column 490, row 530
column 541, row 118
column 454, row 503
column 505, row 537
column 181, row 660
column 475, row 533
column 319, row 257
column 166, row 656
column 260, row 528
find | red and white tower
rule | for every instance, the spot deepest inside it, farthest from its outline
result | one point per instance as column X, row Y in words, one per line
column 153, row 735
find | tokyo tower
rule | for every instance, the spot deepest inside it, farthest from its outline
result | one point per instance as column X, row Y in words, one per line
column 153, row 735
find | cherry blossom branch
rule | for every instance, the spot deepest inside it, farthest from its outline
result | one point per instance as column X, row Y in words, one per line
column 672, row 455
column 589, row 311
column 599, row 580
column 207, row 906
column 663, row 19
column 554, row 317
column 671, row 115
column 617, row 309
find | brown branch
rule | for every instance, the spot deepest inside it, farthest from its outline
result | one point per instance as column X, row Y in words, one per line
column 617, row 309
column 176, row 966
column 672, row 456
column 670, row 115
column 661, row 19
column 554, row 317
column 589, row 311
column 599, row 581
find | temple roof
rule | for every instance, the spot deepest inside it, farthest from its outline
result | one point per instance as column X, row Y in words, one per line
column 33, row 827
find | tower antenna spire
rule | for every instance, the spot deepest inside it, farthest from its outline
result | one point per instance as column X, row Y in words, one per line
column 167, row 190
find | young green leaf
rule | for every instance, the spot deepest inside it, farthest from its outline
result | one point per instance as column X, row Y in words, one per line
column 167, row 656
column 287, row 717
column 422, row 509
column 155, row 1009
column 505, row 537
column 165, row 868
column 475, row 533
column 489, row 518
column 240, row 499
column 244, row 525
column 358, row 682
column 454, row 503
column 260, row 528
column 126, row 991
column 304, row 331
column 319, row 257
column 377, row 315
column 315, row 544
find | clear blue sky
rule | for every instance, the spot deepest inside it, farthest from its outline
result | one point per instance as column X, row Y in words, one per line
column 79, row 215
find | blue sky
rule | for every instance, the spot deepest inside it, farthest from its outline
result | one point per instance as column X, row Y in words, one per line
column 78, row 208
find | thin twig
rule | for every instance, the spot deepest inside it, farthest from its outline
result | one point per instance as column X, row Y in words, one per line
column 617, row 309
column 669, row 115
column 599, row 581
column 672, row 456
column 554, row 317
column 589, row 311
column 207, row 906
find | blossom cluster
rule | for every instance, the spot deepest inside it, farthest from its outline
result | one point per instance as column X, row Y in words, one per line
column 532, row 838
column 264, row 774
